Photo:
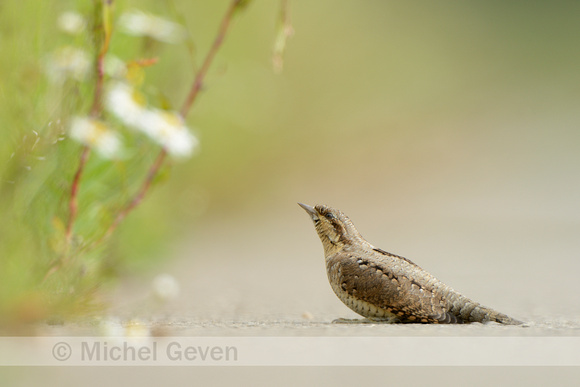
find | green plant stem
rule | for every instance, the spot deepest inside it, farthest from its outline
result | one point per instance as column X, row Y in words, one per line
column 96, row 111
column 97, row 108
column 191, row 97
column 285, row 30
column 105, row 27
column 153, row 170
column 198, row 81
column 73, row 202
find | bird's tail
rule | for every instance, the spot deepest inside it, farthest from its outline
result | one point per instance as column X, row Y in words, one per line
column 467, row 310
column 484, row 314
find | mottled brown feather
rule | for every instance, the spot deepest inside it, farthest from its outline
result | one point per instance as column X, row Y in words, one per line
column 384, row 286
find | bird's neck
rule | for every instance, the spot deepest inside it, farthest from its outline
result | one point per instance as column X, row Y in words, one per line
column 332, row 247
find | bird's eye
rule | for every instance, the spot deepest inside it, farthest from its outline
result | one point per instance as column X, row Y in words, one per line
column 329, row 215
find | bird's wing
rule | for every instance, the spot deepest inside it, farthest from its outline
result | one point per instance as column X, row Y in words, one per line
column 396, row 285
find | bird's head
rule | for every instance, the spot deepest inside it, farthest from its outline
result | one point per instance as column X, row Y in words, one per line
column 333, row 227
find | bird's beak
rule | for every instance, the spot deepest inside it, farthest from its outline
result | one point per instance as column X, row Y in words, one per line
column 310, row 210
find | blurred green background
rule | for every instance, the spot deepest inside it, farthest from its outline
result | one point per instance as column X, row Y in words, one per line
column 412, row 117
column 447, row 130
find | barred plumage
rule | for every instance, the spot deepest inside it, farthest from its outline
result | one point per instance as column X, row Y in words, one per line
column 386, row 287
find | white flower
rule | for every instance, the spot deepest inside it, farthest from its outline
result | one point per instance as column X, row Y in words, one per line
column 164, row 127
column 95, row 134
column 168, row 130
column 71, row 22
column 141, row 24
column 125, row 103
column 68, row 62
column 165, row 287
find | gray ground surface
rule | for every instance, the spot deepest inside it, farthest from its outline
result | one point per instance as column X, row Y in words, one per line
column 264, row 276
column 267, row 277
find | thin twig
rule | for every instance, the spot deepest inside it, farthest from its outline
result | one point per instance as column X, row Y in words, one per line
column 195, row 88
column 73, row 203
column 198, row 81
column 285, row 31
column 97, row 107
column 96, row 111
column 153, row 170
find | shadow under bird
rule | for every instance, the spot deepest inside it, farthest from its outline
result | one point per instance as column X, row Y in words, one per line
column 386, row 287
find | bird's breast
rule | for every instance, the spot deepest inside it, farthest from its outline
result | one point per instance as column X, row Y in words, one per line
column 362, row 289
